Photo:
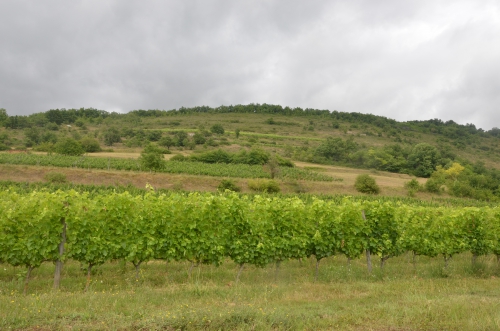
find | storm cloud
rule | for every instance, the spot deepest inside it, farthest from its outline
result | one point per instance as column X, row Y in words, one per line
column 405, row 60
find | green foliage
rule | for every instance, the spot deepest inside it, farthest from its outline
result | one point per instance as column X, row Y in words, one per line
column 111, row 135
column 90, row 145
column 336, row 149
column 413, row 185
column 55, row 177
column 366, row 184
column 80, row 123
column 69, row 146
column 3, row 116
column 166, row 142
column 264, row 185
column 153, row 135
column 207, row 228
column 228, row 184
column 423, row 159
column 217, row 129
column 176, row 167
column 152, row 158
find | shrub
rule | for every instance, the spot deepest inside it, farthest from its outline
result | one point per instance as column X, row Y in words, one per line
column 199, row 138
column 366, row 184
column 44, row 147
column 69, row 146
column 433, row 185
column 264, row 185
column 179, row 157
column 153, row 135
column 227, row 184
column 55, row 177
column 90, row 145
column 217, row 128
column 152, row 157
column 413, row 185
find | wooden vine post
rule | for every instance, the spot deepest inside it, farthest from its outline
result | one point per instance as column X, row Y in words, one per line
column 368, row 254
column 59, row 262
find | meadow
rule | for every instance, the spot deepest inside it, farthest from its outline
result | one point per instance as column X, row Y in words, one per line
column 399, row 297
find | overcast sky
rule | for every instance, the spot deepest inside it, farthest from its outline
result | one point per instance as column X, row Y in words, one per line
column 405, row 60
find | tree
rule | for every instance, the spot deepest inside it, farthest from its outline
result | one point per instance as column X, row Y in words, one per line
column 69, row 146
column 336, row 149
column 166, row 142
column 111, row 136
column 181, row 138
column 423, row 159
column 217, row 129
column 273, row 166
column 3, row 116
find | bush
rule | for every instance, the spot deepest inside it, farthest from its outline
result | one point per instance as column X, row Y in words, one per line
column 413, row 185
column 152, row 157
column 433, row 185
column 179, row 157
column 55, row 177
column 264, row 185
column 153, row 135
column 90, row 145
column 366, row 184
column 44, row 147
column 69, row 146
column 227, row 184
column 217, row 128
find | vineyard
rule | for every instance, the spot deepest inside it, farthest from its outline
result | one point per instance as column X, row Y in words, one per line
column 173, row 167
column 209, row 229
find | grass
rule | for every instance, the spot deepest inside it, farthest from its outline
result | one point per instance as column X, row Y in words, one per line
column 174, row 167
column 343, row 298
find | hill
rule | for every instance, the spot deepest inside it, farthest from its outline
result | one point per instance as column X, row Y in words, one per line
column 254, row 133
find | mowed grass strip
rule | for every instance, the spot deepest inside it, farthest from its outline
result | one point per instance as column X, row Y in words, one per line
column 344, row 297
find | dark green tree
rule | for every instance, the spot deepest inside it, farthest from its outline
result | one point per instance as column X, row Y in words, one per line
column 423, row 159
column 111, row 136
column 3, row 116
column 166, row 142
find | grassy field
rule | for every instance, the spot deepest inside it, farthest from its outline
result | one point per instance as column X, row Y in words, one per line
column 391, row 184
column 400, row 297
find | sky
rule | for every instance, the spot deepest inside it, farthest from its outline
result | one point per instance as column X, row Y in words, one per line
column 406, row 60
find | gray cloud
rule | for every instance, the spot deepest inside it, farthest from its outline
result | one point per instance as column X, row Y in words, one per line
column 401, row 59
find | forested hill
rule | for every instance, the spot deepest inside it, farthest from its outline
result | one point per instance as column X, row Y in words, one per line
column 449, row 129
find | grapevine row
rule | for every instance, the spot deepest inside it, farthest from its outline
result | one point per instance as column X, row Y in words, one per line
column 174, row 167
column 208, row 228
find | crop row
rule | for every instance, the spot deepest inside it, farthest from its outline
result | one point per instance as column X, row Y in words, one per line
column 206, row 228
column 191, row 168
